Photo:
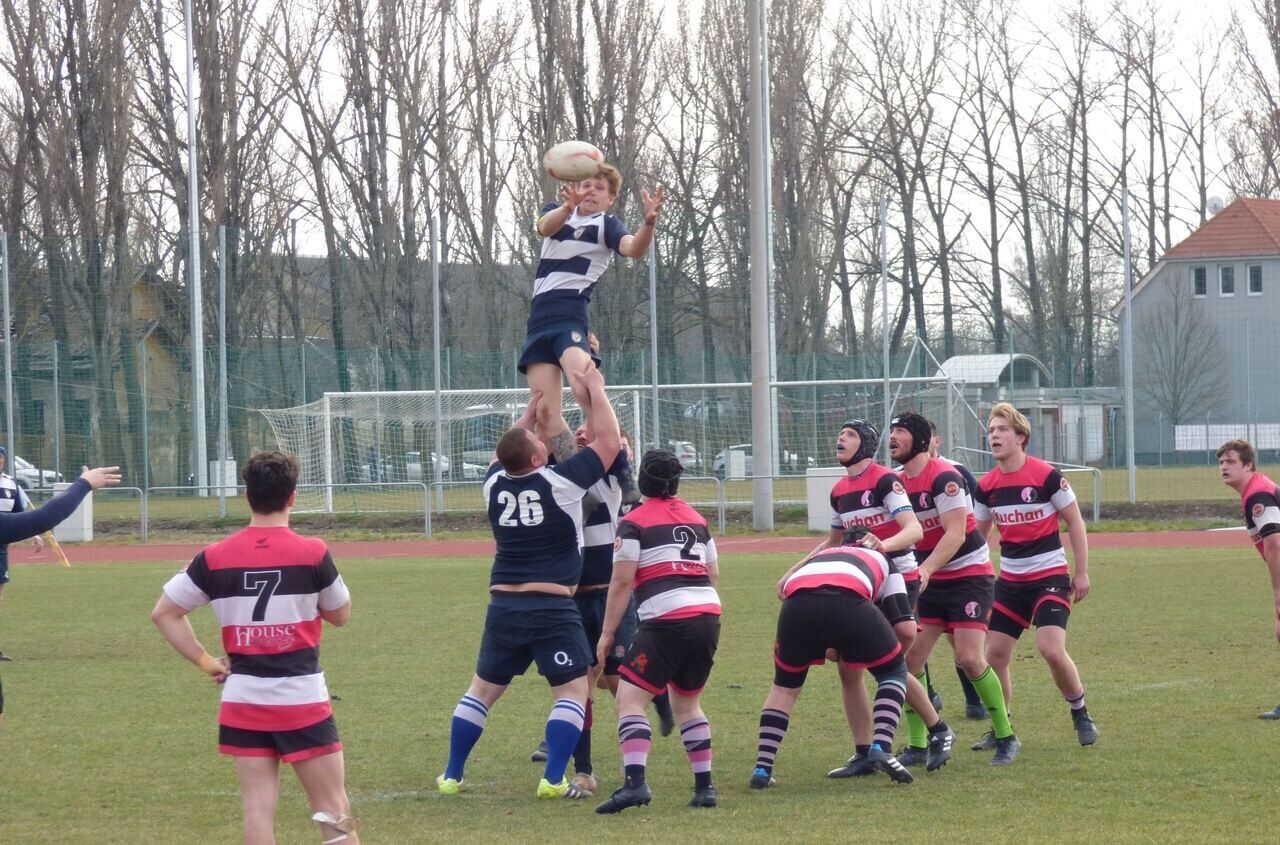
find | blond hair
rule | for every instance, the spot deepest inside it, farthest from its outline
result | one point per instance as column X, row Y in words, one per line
column 1017, row 420
column 612, row 177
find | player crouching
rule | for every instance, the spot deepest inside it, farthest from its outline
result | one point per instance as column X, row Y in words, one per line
column 829, row 601
column 665, row 554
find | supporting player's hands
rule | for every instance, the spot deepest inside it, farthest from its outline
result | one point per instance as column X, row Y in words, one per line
column 38, row 543
column 653, row 204
column 1079, row 587
column 871, row 541
column 571, row 196
column 100, row 477
column 588, row 380
column 603, row 647
column 530, row 415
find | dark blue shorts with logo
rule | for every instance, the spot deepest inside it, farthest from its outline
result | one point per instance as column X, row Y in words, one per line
column 524, row 628
column 547, row 343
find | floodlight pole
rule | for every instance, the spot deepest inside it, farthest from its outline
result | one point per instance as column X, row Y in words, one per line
column 222, row 371
column 10, row 445
column 435, row 344
column 197, row 301
column 1128, row 355
column 653, row 336
column 761, row 418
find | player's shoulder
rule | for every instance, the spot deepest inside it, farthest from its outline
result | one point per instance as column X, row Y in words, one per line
column 1260, row 487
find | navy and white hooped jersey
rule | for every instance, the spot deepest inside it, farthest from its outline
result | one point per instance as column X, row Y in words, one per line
column 11, row 497
column 571, row 262
column 537, row 520
column 600, row 526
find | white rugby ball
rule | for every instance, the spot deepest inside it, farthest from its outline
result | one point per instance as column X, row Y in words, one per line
column 570, row 161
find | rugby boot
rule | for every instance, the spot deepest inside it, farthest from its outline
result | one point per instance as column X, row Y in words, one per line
column 857, row 766
column 1006, row 751
column 1086, row 730
column 939, row 753
column 448, row 786
column 977, row 713
column 891, row 766
column 704, row 797
column 760, row 779
column 6, row 658
column 986, row 743
column 1270, row 715
column 539, row 754
column 628, row 795
column 912, row 756
column 564, row 789
column 935, row 699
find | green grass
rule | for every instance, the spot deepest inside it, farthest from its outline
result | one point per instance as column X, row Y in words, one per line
column 109, row 736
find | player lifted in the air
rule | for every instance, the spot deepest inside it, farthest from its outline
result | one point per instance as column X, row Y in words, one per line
column 664, row 554
column 1025, row 497
column 535, row 512
column 579, row 238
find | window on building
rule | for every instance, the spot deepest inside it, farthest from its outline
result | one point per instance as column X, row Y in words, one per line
column 1199, row 281
column 1255, row 280
column 1226, row 280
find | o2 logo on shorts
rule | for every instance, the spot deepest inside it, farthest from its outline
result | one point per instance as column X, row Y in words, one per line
column 1028, row 494
column 562, row 659
column 971, row 610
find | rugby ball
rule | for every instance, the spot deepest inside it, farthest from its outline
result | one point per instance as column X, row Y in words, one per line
column 570, row 161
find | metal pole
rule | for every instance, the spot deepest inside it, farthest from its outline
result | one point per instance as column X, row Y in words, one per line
column 435, row 346
column 884, row 320
column 197, row 301
column 8, row 356
column 761, row 412
column 57, row 415
column 766, row 120
column 1128, row 357
column 328, row 454
column 222, row 371
column 1248, row 385
column 653, row 337
column 303, row 349
column 146, row 456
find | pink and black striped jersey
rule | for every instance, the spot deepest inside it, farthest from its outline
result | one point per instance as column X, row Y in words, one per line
column 267, row 587
column 1261, row 501
column 672, row 545
column 873, row 500
column 1024, row 505
column 863, row 571
column 940, row 488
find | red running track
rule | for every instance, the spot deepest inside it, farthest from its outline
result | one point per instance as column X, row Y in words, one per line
column 22, row 553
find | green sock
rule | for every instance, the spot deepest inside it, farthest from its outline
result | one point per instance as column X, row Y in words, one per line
column 917, row 733
column 988, row 686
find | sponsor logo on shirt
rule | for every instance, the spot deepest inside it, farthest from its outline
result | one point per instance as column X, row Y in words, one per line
column 867, row 498
column 1028, row 494
column 279, row 637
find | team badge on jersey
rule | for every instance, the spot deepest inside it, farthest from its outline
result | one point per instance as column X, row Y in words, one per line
column 924, row 501
column 579, row 232
column 577, row 337
column 952, row 489
column 1065, row 485
column 1028, row 494
column 1258, row 510
column 866, row 498
column 898, row 488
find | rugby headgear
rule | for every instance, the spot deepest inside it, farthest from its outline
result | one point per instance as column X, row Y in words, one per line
column 920, row 430
column 869, row 436
column 659, row 474
column 853, row 536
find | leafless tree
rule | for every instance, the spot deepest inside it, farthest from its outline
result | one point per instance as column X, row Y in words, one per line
column 1180, row 365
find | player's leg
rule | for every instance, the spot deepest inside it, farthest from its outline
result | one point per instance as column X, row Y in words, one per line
column 4, row 579
column 695, row 733
column 1000, row 647
column 259, row 793
column 865, row 639
column 323, row 778
column 775, row 718
column 635, row 734
column 576, row 359
column 1273, row 715
column 564, row 727
column 547, row 379
column 468, row 723
column 1050, row 617
column 971, row 655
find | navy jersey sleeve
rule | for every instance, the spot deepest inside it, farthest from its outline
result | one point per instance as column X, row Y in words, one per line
column 20, row 526
column 620, row 463
column 970, row 481
column 583, row 469
column 614, row 232
column 548, row 206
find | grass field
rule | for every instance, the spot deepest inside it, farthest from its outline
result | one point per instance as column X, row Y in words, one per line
column 109, row 737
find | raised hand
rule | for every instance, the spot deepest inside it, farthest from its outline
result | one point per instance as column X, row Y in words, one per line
column 570, row 195
column 100, row 477
column 653, row 204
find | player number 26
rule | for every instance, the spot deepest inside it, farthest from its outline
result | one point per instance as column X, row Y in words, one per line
column 527, row 508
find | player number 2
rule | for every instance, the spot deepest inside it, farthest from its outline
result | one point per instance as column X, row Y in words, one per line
column 527, row 508
column 264, row 582
column 686, row 536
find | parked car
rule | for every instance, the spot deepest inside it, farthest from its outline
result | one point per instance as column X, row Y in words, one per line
column 29, row 477
column 791, row 461
column 685, row 452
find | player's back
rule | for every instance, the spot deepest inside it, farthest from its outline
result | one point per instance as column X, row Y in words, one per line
column 536, row 518
column 672, row 545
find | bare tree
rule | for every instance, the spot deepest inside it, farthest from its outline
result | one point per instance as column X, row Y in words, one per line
column 1180, row 365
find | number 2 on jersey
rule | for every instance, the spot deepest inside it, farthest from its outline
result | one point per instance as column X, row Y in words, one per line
column 684, row 534
column 527, row 508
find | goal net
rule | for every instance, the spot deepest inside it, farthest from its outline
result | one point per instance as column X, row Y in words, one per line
column 405, row 445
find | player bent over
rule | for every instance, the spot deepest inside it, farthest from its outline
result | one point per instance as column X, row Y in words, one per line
column 956, row 578
column 579, row 238
column 271, row 591
column 829, row 601
column 1025, row 497
column 1260, row 497
column 535, row 512
column 664, row 554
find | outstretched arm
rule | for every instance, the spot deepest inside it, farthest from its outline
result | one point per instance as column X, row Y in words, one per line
column 20, row 526
column 635, row 246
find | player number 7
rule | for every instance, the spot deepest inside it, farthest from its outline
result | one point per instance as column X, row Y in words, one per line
column 264, row 582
